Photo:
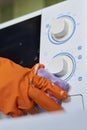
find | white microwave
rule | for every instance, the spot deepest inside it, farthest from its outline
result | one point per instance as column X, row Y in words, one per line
column 57, row 37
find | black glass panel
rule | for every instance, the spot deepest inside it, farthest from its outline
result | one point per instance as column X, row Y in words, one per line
column 20, row 42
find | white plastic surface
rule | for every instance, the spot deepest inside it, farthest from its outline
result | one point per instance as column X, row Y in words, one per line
column 54, row 121
column 69, row 42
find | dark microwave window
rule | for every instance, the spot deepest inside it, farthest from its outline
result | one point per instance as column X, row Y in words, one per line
column 20, row 42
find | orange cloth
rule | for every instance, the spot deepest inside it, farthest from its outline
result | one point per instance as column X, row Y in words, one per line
column 21, row 88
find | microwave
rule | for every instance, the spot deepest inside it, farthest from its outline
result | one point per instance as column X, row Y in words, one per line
column 56, row 37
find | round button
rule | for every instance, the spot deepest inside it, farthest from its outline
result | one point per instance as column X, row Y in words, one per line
column 58, row 66
column 62, row 66
column 59, row 29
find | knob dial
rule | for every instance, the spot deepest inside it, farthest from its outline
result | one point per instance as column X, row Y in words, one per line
column 62, row 66
column 59, row 29
column 58, row 66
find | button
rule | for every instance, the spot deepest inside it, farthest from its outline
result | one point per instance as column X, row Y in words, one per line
column 59, row 29
column 58, row 66
column 61, row 66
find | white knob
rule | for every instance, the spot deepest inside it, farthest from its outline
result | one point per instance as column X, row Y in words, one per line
column 62, row 66
column 58, row 66
column 59, row 29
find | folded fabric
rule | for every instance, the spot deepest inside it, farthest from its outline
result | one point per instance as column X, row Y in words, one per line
column 44, row 73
